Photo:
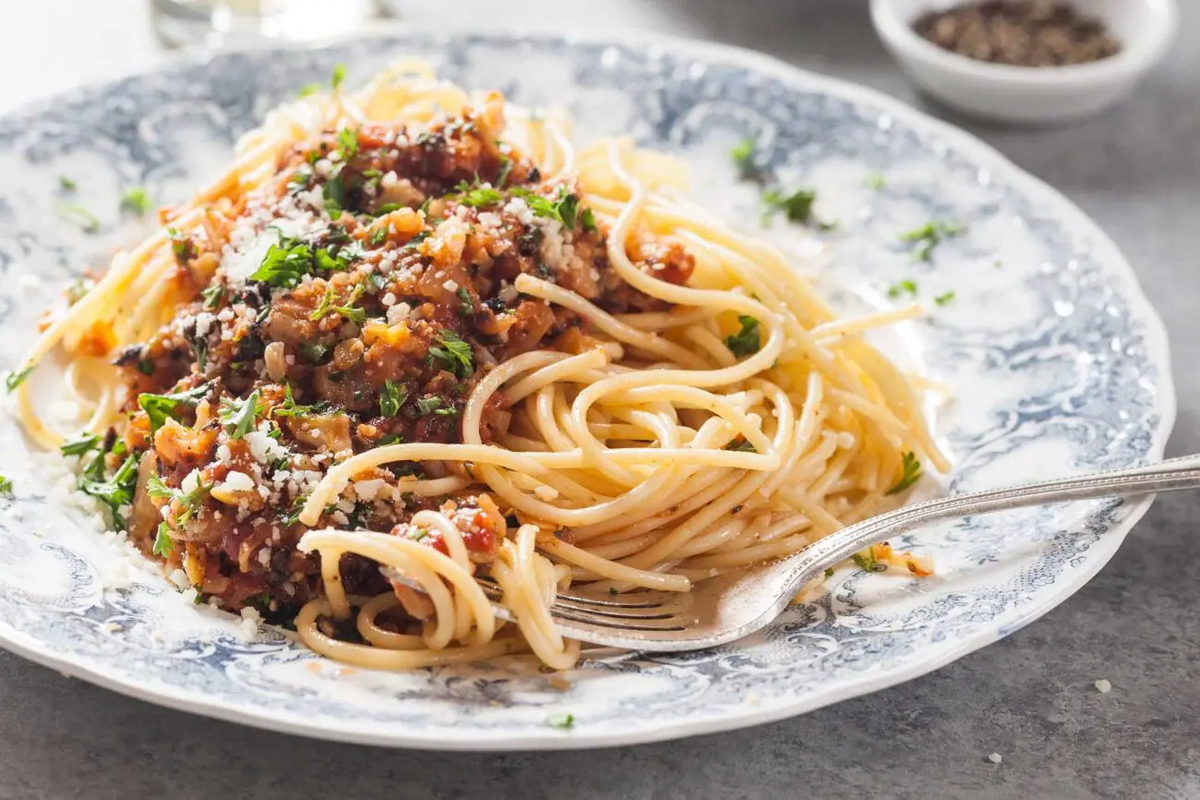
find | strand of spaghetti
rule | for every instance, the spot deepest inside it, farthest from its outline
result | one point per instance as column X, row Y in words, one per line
column 370, row 631
column 859, row 325
column 379, row 658
column 605, row 322
column 565, row 368
column 384, row 548
column 614, row 570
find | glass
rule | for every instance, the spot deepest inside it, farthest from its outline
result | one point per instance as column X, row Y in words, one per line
column 218, row 23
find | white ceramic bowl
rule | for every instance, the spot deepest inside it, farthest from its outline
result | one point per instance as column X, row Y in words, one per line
column 1145, row 28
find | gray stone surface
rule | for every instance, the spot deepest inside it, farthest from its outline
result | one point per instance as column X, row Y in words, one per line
column 1030, row 698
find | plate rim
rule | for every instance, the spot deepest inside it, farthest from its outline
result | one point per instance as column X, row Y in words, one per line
column 1156, row 342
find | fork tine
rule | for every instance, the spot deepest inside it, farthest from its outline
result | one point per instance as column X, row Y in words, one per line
column 671, row 622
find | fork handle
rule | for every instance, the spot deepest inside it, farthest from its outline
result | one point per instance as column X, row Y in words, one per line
column 1166, row 476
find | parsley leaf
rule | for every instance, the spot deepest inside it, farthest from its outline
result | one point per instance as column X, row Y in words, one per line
column 587, row 220
column 866, row 560
column 313, row 352
column 944, row 299
column 746, row 341
column 73, row 212
column 308, row 89
column 239, row 415
column 466, row 305
column 930, row 235
column 506, row 165
column 391, row 398
column 189, row 502
column 67, row 184
column 349, row 311
column 434, row 405
column 912, row 473
column 338, row 76
column 743, row 158
column 564, row 207
column 6, row 486
column 80, row 445
column 477, row 196
column 180, row 245
column 902, row 287
column 14, row 379
column 160, row 406
column 562, row 722
column 115, row 492
column 291, row 408
column 874, row 181
column 213, row 294
column 163, row 544
column 798, row 205
column 348, row 143
column 136, row 200
column 285, row 264
column 454, row 354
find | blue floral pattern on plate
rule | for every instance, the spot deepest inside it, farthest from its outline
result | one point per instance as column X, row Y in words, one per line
column 1053, row 360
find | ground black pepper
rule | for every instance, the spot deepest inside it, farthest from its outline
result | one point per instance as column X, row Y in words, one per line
column 1025, row 33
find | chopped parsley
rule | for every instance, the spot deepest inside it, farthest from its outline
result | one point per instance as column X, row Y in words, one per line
column 73, row 212
column 81, row 445
column 587, row 220
column 285, row 264
column 313, row 352
column 6, row 486
column 163, row 544
column 829, row 572
column 902, row 287
column 348, row 143
column 929, row 236
column 743, row 158
column 798, row 205
column 115, row 492
column 159, row 407
column 338, row 76
column 386, row 208
column 67, row 184
column 866, row 560
column 377, row 237
column 14, row 379
column 213, row 294
column 506, row 165
column 466, row 305
column 874, row 181
column 746, row 341
column 391, row 398
column 189, row 505
column 434, row 405
column 912, row 473
column 477, row 196
column 454, row 354
column 291, row 408
column 944, row 299
column 136, row 200
column 308, row 89
column 239, row 415
column 564, row 207
column 348, row 311
column 563, row 722
column 180, row 244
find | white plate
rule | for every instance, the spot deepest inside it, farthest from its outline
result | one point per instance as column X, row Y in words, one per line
column 1055, row 360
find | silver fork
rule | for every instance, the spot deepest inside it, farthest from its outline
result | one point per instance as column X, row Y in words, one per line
column 729, row 607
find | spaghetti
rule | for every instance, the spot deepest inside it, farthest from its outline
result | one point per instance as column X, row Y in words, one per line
column 412, row 335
